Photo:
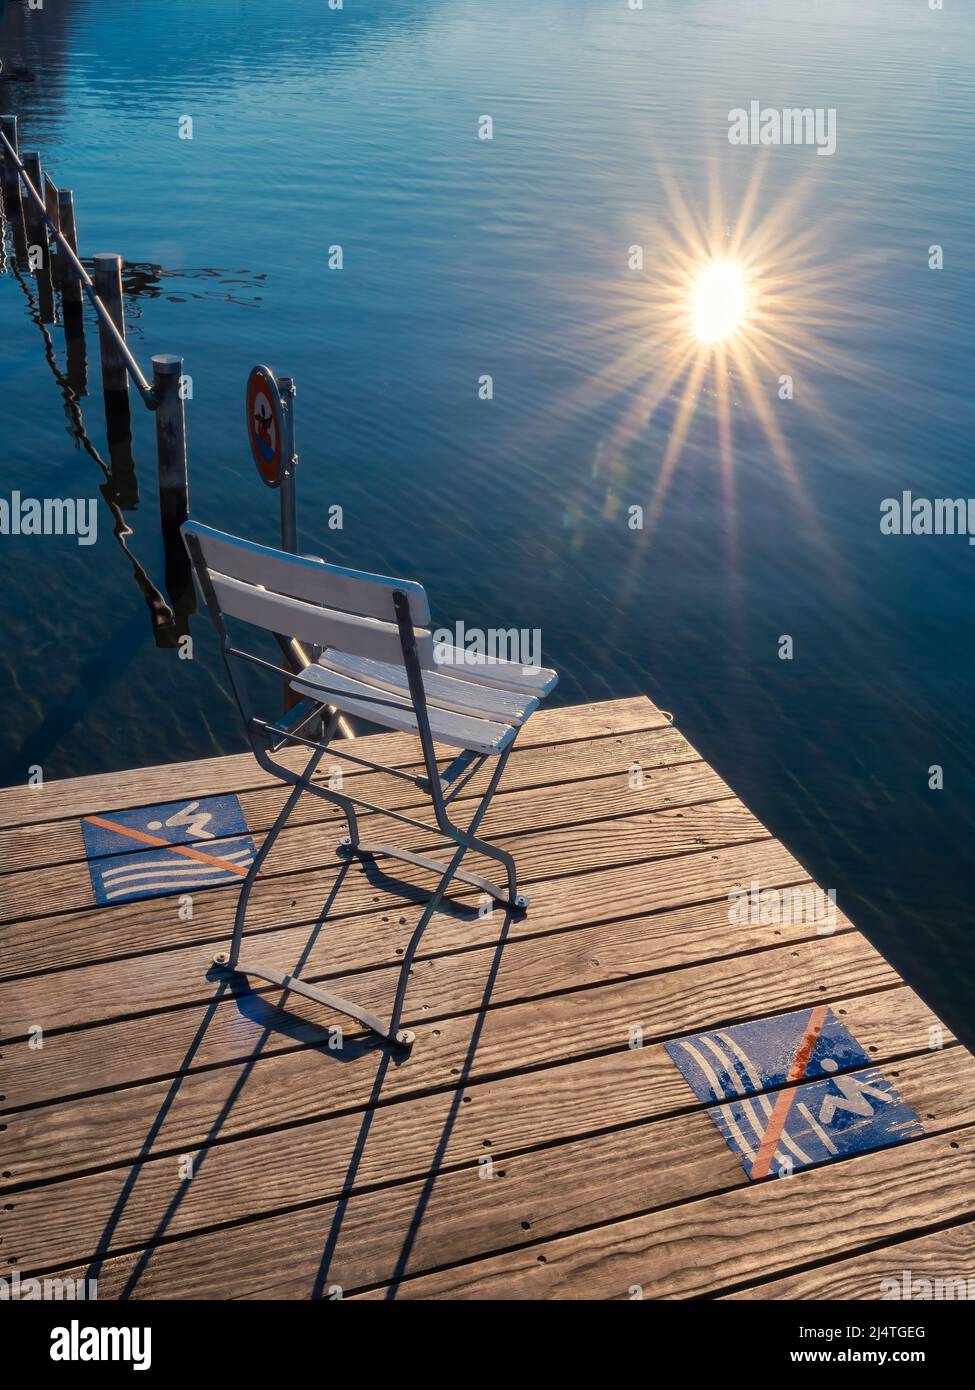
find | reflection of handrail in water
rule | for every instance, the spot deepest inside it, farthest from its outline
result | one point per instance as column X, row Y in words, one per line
column 87, row 284
column 168, row 623
column 163, row 618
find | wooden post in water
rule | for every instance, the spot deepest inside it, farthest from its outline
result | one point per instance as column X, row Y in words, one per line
column 115, row 380
column 9, row 176
column 38, row 237
column 36, row 226
column 8, row 169
column 167, row 373
column 174, row 500
column 72, row 299
column 51, row 208
column 108, row 287
column 13, row 206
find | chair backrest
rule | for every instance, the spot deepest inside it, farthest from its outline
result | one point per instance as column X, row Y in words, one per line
column 295, row 596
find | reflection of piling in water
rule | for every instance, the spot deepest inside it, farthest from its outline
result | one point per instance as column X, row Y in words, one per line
column 45, row 213
column 118, row 434
column 161, row 615
column 174, row 501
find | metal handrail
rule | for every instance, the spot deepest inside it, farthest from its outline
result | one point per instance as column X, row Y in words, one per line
column 134, row 370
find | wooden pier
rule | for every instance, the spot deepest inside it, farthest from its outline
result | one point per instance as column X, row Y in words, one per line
column 177, row 1135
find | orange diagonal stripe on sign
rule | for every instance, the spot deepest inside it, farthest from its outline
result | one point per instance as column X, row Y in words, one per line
column 783, row 1103
column 186, row 850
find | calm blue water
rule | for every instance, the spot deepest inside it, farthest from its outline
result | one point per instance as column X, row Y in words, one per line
column 508, row 257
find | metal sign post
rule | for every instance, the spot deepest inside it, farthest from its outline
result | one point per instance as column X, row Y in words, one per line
column 289, row 499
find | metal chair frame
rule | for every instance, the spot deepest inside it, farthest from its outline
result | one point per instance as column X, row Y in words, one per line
column 269, row 738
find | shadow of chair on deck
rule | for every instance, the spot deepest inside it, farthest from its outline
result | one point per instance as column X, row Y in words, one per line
column 271, row 1015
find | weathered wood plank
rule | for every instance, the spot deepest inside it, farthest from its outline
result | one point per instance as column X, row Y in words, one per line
column 611, row 1170
column 88, row 994
column 706, row 1246
column 74, row 796
column 60, row 841
column 574, row 946
column 67, row 887
column 947, row 1255
column 580, row 1182
column 288, row 1087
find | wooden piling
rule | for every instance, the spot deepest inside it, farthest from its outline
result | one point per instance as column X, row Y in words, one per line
column 12, row 201
column 38, row 237
column 9, row 178
column 72, row 299
column 53, row 213
column 71, row 291
column 37, row 234
column 171, row 432
column 174, row 503
column 108, row 287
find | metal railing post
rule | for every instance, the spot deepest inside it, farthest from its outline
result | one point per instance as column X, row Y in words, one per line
column 287, row 486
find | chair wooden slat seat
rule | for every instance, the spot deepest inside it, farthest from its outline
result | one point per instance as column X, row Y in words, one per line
column 466, row 665
column 502, row 703
column 458, row 728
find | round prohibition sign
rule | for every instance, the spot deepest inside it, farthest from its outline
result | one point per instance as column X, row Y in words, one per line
column 265, row 424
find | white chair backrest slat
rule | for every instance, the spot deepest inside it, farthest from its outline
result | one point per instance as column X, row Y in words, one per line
column 315, row 581
column 322, row 627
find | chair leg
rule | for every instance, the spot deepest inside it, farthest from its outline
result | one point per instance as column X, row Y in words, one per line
column 230, row 960
column 464, row 839
column 469, row 838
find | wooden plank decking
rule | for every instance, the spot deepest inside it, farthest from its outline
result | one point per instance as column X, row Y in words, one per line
column 315, row 1169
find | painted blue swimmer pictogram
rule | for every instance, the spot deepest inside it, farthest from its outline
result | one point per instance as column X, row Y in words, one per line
column 179, row 855
column 797, row 1090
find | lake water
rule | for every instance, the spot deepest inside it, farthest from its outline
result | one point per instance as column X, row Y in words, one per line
column 510, row 258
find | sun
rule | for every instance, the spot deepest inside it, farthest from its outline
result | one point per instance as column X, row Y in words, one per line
column 739, row 308
column 719, row 301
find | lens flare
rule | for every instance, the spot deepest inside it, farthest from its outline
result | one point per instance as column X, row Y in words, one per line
column 719, row 301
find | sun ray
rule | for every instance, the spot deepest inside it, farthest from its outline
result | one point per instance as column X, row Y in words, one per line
column 722, row 307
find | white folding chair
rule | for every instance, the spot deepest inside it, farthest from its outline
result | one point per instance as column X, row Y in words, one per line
column 376, row 661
